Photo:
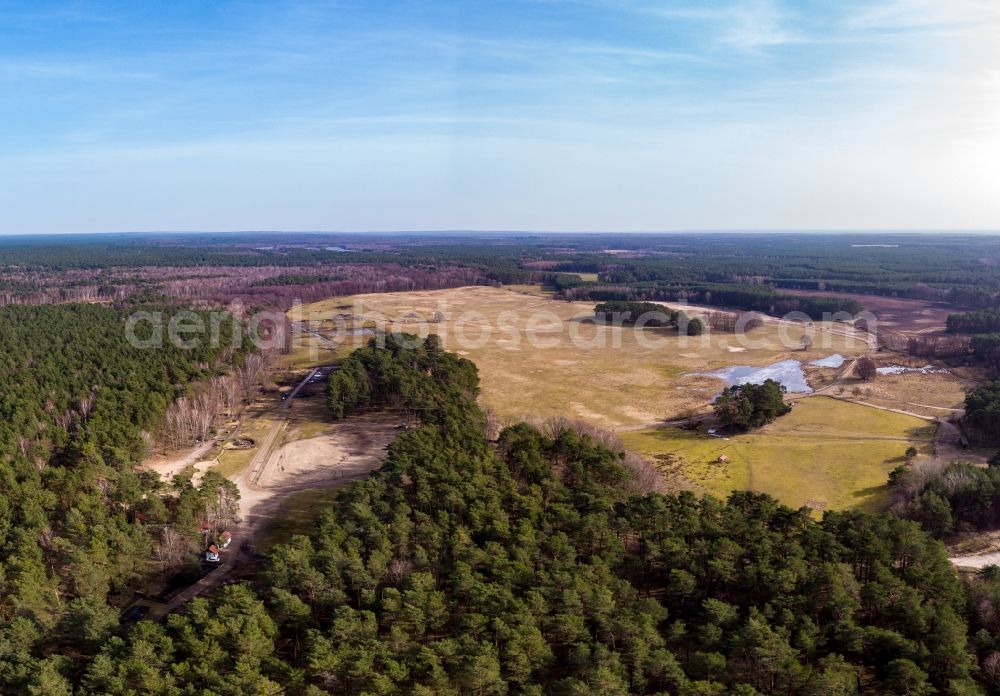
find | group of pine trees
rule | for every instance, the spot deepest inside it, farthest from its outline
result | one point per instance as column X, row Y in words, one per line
column 526, row 567
column 80, row 523
column 618, row 290
column 983, row 321
column 984, row 327
column 748, row 406
column 652, row 314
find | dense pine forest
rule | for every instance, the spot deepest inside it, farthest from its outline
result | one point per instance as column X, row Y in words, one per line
column 78, row 521
column 536, row 562
column 530, row 566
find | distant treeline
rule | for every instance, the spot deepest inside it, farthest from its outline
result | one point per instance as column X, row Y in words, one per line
column 258, row 286
column 758, row 298
column 963, row 270
column 978, row 322
column 935, row 346
column 980, row 331
column 300, row 279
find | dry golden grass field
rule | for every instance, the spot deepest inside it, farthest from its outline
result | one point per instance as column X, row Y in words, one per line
column 825, row 454
column 541, row 357
column 938, row 394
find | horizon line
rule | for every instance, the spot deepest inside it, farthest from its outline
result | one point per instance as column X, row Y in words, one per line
column 482, row 231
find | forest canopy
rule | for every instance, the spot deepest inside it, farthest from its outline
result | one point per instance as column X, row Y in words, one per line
column 527, row 566
column 78, row 521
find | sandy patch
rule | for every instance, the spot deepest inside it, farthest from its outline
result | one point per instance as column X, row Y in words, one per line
column 583, row 412
column 353, row 448
column 170, row 464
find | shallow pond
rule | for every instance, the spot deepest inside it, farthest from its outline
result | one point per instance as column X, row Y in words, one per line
column 787, row 373
column 836, row 360
column 902, row 370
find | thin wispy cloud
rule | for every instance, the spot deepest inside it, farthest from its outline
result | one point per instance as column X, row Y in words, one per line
column 745, row 25
column 924, row 15
column 577, row 113
column 72, row 71
column 757, row 24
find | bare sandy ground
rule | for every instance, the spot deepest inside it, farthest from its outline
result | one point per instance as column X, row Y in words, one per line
column 170, row 464
column 351, row 450
column 173, row 462
column 976, row 561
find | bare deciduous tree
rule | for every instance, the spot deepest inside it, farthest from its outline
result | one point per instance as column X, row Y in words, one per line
column 228, row 387
column 991, row 669
column 867, row 369
column 171, row 549
column 492, row 425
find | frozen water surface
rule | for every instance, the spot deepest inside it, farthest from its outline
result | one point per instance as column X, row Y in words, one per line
column 900, row 369
column 836, row 360
column 787, row 373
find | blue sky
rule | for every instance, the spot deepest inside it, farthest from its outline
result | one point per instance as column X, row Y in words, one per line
column 543, row 115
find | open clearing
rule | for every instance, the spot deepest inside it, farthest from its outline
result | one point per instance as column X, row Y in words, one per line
column 938, row 393
column 547, row 358
column 825, row 454
column 299, row 513
column 350, row 449
column 898, row 314
column 298, row 460
column 539, row 357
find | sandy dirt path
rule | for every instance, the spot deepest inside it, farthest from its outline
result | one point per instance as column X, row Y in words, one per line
column 171, row 464
column 976, row 561
column 349, row 451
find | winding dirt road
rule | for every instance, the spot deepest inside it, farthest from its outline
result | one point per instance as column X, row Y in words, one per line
column 976, row 561
column 349, row 451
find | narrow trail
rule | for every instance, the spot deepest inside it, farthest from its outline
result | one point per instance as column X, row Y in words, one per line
column 258, row 502
column 930, row 419
column 257, row 465
column 976, row 561
column 303, row 327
